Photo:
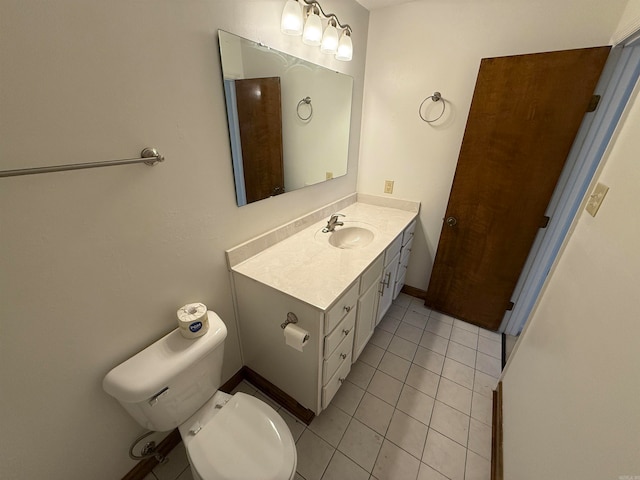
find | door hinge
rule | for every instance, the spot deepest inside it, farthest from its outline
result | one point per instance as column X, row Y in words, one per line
column 593, row 103
column 510, row 306
column 545, row 222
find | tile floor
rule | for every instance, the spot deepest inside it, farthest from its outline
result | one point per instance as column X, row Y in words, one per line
column 416, row 406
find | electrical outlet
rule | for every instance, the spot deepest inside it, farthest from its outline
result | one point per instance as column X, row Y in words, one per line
column 388, row 186
column 329, row 175
column 595, row 199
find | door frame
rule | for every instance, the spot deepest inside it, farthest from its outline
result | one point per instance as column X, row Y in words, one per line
column 616, row 85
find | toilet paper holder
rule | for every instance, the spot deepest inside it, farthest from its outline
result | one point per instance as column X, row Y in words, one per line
column 292, row 318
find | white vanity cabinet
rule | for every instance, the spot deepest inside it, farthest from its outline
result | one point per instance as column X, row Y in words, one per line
column 338, row 295
column 405, row 251
column 312, row 376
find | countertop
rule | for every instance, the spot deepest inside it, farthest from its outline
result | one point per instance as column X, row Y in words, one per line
column 306, row 267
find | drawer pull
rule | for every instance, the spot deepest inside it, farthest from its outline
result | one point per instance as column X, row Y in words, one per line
column 347, row 308
column 346, row 332
column 341, row 380
column 343, row 356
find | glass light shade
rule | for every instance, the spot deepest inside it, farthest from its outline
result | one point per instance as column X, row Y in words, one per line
column 329, row 40
column 291, row 23
column 345, row 48
column 312, row 33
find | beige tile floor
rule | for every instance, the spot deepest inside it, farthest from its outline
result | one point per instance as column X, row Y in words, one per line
column 416, row 406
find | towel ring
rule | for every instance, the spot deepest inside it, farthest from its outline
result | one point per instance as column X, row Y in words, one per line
column 436, row 97
column 305, row 101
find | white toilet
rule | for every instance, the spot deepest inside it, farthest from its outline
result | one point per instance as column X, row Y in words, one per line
column 174, row 383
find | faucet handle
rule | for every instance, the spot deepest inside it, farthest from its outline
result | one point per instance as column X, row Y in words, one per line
column 336, row 215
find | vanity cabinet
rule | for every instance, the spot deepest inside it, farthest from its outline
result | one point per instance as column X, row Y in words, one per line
column 311, row 376
column 336, row 295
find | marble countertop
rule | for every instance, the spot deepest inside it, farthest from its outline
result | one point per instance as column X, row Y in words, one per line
column 306, row 267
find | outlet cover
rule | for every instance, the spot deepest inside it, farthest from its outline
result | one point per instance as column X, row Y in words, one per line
column 596, row 198
column 329, row 176
column 388, row 186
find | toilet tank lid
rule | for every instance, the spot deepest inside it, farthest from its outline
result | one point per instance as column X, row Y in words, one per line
column 149, row 371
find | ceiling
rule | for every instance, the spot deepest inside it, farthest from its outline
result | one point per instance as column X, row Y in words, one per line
column 373, row 4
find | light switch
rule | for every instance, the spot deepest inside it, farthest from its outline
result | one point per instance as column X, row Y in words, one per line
column 595, row 199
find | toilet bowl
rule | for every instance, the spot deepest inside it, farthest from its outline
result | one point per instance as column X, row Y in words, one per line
column 244, row 439
column 174, row 383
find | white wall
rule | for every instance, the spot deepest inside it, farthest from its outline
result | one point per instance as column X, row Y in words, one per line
column 572, row 386
column 95, row 263
column 420, row 47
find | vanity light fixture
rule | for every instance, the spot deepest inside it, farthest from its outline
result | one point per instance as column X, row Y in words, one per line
column 336, row 38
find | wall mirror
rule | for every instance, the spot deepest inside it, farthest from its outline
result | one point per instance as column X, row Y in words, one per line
column 288, row 119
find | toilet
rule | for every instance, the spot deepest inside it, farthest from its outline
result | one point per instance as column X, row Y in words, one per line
column 174, row 383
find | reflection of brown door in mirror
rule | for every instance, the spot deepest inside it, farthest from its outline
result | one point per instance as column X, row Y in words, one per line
column 260, row 123
column 525, row 114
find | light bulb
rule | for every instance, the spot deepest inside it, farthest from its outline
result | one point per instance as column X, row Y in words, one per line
column 312, row 33
column 291, row 23
column 329, row 40
column 345, row 48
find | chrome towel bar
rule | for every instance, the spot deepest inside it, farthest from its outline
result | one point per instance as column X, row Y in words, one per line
column 149, row 156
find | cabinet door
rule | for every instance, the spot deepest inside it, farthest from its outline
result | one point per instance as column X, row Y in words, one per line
column 387, row 285
column 367, row 309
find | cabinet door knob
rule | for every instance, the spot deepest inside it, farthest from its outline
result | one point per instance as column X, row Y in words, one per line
column 347, row 308
column 341, row 380
column 343, row 356
column 346, row 332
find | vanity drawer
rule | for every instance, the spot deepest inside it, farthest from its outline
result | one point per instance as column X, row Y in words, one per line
column 406, row 251
column 333, row 385
column 408, row 233
column 342, row 307
column 371, row 274
column 392, row 250
column 343, row 330
column 339, row 355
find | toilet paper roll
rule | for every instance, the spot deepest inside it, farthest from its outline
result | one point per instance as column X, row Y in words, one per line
column 295, row 336
column 193, row 320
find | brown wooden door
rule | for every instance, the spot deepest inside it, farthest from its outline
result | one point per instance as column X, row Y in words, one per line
column 525, row 113
column 260, row 122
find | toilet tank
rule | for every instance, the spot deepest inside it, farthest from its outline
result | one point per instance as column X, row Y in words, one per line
column 170, row 380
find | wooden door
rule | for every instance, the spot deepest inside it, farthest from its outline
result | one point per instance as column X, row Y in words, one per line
column 260, row 122
column 525, row 114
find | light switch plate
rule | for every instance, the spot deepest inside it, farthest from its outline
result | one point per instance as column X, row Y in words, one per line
column 595, row 199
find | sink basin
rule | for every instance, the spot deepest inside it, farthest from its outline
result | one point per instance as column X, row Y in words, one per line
column 350, row 237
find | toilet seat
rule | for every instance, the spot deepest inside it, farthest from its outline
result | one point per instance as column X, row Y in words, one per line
column 245, row 439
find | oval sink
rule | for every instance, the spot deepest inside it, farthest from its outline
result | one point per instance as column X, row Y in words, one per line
column 350, row 237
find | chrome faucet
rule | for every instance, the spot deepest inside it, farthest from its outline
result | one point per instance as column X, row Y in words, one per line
column 333, row 223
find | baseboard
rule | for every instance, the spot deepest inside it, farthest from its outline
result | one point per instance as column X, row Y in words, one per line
column 414, row 292
column 278, row 395
column 497, row 465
